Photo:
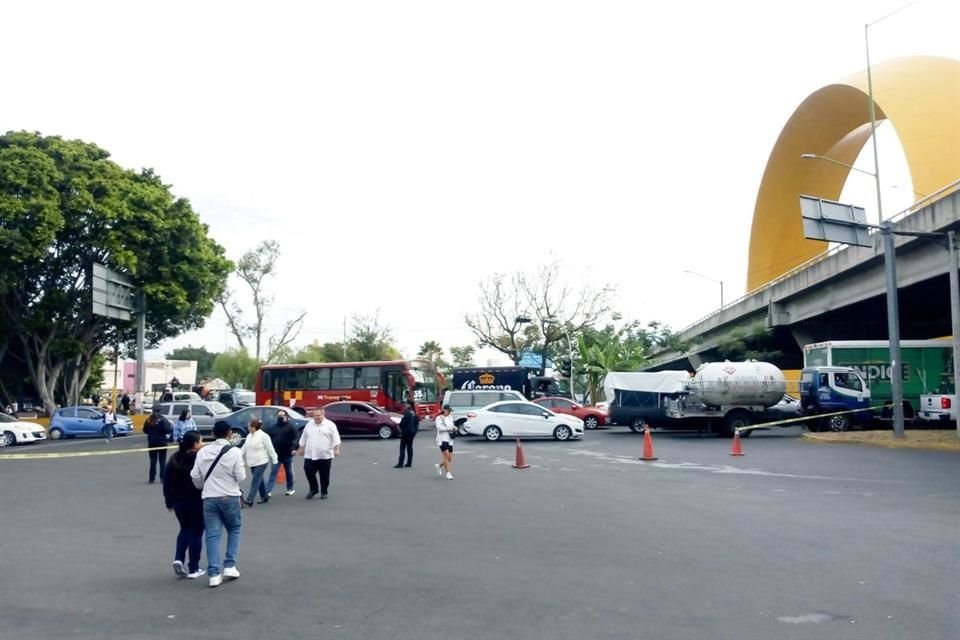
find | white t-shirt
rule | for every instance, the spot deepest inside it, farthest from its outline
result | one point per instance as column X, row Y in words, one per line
column 319, row 440
column 444, row 427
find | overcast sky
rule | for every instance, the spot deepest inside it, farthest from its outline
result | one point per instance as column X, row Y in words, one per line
column 401, row 151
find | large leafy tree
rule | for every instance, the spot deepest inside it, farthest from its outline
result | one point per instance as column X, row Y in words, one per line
column 64, row 205
column 203, row 358
column 236, row 366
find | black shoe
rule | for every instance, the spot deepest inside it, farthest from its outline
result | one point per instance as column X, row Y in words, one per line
column 151, row 481
column 398, row 466
column 263, row 500
column 311, row 494
column 323, row 496
column 249, row 503
column 408, row 465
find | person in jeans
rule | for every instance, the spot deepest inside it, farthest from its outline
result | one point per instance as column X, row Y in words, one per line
column 409, row 424
column 184, row 423
column 158, row 432
column 109, row 423
column 183, row 499
column 319, row 445
column 258, row 452
column 218, row 472
column 284, row 436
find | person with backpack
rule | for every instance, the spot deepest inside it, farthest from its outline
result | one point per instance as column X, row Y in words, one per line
column 218, row 472
column 284, row 436
column 158, row 432
column 183, row 499
column 409, row 424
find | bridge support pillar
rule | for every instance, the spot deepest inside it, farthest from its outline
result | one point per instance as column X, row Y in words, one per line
column 777, row 316
column 802, row 336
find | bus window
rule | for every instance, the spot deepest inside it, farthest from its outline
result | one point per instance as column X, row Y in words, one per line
column 341, row 378
column 294, row 380
column 318, row 379
column 368, row 377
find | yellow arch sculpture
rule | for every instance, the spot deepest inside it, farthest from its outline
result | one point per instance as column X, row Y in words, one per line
column 920, row 96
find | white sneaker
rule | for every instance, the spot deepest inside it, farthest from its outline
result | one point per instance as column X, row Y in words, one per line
column 196, row 574
column 439, row 470
column 269, row 494
column 178, row 569
column 216, row 581
column 231, row 572
column 449, row 476
column 291, row 492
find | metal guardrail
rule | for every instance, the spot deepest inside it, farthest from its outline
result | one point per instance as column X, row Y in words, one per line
column 916, row 206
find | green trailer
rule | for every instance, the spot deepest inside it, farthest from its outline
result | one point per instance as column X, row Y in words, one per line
column 926, row 368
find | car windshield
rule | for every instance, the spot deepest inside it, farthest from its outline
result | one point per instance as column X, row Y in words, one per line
column 218, row 408
column 5, row 418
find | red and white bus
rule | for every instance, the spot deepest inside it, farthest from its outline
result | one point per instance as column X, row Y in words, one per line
column 386, row 384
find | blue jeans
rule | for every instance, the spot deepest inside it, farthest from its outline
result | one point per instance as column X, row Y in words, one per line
column 287, row 463
column 190, row 514
column 219, row 513
column 257, row 482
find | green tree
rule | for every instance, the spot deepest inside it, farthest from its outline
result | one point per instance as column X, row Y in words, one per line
column 433, row 352
column 370, row 340
column 203, row 358
column 236, row 366
column 463, row 356
column 65, row 204
column 752, row 343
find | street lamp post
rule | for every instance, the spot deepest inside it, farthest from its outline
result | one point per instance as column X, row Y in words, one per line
column 814, row 156
column 719, row 282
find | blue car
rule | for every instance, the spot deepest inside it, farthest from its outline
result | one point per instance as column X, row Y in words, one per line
column 73, row 422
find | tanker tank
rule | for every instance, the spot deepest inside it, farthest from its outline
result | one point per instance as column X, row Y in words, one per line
column 738, row 383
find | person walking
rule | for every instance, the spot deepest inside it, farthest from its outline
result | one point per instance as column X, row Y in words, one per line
column 445, row 429
column 319, row 445
column 183, row 499
column 125, row 404
column 109, row 423
column 184, row 424
column 284, row 437
column 158, row 432
column 258, row 452
column 409, row 425
column 218, row 472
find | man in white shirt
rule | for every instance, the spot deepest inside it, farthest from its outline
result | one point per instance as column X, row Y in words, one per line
column 218, row 472
column 319, row 445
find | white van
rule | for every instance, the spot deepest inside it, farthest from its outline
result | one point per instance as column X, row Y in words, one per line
column 462, row 402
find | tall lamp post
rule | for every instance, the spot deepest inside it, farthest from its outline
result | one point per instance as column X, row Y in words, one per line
column 546, row 321
column 719, row 282
column 814, row 156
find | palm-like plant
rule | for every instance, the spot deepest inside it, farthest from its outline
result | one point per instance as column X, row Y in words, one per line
column 607, row 352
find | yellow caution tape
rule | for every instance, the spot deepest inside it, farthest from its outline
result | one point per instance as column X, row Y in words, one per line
column 78, row 454
column 815, row 416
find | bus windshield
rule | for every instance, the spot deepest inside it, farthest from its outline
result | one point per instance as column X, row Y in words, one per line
column 424, row 385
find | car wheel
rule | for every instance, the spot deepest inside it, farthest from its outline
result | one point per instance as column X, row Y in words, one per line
column 236, row 438
column 562, row 432
column 492, row 433
column 385, row 432
column 56, row 433
column 838, row 423
column 462, row 429
column 591, row 422
column 637, row 425
column 9, row 439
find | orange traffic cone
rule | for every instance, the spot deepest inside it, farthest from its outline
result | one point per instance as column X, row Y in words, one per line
column 521, row 462
column 647, row 445
column 736, row 449
column 281, row 475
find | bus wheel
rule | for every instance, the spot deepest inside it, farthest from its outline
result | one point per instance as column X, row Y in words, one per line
column 838, row 423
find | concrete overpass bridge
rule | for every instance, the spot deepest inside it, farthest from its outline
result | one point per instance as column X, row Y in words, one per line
column 839, row 295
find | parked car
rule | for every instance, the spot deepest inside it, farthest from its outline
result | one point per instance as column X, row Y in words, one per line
column 236, row 398
column 73, row 422
column 521, row 419
column 238, row 421
column 591, row 416
column 463, row 402
column 362, row 419
column 13, row 431
column 204, row 413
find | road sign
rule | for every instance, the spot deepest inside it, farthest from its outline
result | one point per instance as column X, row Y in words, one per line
column 834, row 222
column 113, row 293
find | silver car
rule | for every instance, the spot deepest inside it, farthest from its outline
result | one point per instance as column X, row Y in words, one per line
column 204, row 413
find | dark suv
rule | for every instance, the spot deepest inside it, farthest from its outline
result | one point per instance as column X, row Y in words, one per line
column 235, row 399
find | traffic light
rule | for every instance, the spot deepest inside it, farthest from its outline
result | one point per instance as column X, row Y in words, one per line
column 565, row 367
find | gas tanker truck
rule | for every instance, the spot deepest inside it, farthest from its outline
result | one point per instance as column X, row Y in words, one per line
column 719, row 396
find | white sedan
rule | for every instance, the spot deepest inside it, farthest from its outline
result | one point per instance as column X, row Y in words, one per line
column 516, row 419
column 13, row 431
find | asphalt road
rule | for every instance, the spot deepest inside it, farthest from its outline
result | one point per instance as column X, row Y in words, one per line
column 794, row 540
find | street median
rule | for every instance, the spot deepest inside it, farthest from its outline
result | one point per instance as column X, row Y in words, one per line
column 929, row 439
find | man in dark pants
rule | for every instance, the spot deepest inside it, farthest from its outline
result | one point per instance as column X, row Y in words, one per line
column 158, row 432
column 319, row 445
column 409, row 424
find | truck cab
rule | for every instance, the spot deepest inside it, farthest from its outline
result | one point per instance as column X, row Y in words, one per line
column 834, row 391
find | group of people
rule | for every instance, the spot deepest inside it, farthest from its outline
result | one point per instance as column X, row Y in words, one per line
column 201, row 483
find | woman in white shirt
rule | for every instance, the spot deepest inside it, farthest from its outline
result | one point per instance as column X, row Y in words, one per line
column 258, row 452
column 445, row 428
